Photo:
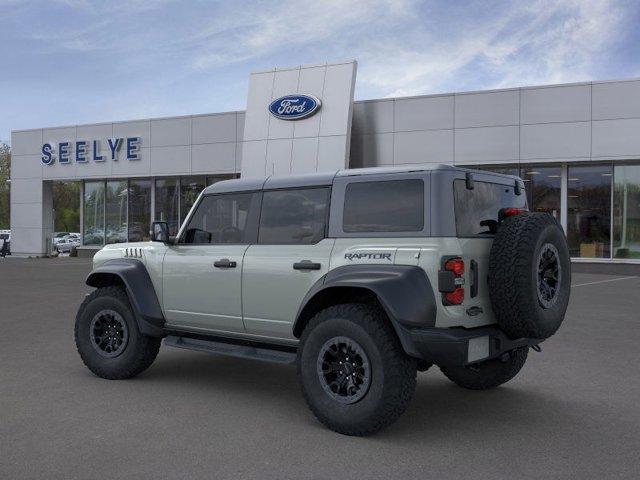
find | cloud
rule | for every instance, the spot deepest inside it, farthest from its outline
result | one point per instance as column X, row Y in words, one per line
column 544, row 42
column 134, row 59
column 404, row 47
column 411, row 48
column 257, row 31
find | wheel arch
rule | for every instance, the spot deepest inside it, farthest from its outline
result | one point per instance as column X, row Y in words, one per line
column 132, row 275
column 402, row 291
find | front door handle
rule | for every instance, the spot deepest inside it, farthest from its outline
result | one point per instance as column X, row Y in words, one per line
column 306, row 265
column 224, row 263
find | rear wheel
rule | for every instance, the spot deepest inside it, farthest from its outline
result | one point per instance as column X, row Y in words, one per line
column 354, row 373
column 108, row 339
column 489, row 374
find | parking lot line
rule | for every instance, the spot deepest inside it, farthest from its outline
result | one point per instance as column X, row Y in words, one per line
column 603, row 281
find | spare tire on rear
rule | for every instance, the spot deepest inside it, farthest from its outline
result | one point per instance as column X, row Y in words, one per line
column 529, row 275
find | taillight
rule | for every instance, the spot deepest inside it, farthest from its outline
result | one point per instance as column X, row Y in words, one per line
column 510, row 212
column 451, row 281
column 455, row 265
column 456, row 297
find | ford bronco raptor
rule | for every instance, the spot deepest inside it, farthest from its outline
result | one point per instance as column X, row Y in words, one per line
column 361, row 277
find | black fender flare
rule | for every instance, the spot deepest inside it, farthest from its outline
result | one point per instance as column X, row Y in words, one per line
column 403, row 291
column 137, row 282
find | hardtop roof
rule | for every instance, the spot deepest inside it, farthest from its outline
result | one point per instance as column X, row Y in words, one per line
column 327, row 178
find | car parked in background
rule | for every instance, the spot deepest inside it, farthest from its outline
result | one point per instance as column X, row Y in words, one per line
column 75, row 236
column 5, row 242
column 60, row 236
column 65, row 245
column 57, row 236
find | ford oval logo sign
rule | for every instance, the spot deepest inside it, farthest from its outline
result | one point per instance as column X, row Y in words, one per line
column 294, row 107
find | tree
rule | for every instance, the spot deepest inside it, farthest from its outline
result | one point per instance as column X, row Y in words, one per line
column 5, row 169
column 66, row 205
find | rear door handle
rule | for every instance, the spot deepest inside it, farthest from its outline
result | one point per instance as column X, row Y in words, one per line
column 224, row 263
column 306, row 265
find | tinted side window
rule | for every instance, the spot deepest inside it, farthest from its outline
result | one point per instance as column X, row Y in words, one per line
column 477, row 210
column 297, row 216
column 223, row 219
column 387, row 206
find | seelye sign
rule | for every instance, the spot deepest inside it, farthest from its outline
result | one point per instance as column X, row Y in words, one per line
column 294, row 107
column 82, row 151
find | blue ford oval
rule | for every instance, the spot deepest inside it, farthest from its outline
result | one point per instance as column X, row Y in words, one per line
column 294, row 107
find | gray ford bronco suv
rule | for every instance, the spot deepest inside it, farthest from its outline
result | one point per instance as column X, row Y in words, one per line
column 361, row 277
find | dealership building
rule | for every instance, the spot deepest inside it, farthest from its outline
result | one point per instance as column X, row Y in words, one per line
column 577, row 147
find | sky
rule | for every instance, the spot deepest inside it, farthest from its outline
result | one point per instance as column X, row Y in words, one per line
column 80, row 61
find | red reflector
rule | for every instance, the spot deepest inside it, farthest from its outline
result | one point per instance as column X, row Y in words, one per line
column 455, row 265
column 456, row 297
column 510, row 212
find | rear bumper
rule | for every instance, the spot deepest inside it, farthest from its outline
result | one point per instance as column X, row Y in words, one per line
column 461, row 346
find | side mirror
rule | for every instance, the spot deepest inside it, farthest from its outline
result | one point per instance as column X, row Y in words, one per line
column 160, row 232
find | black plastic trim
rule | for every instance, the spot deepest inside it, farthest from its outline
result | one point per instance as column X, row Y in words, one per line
column 468, row 180
column 241, row 349
column 446, row 281
column 225, row 263
column 306, row 265
column 404, row 291
column 473, row 271
column 140, row 291
column 517, row 189
column 449, row 346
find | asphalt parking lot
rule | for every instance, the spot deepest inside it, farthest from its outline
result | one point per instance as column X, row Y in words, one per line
column 571, row 413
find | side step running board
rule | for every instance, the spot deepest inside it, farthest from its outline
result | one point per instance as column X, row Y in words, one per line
column 231, row 349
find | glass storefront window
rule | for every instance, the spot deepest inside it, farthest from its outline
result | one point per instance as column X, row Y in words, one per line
column 626, row 211
column 167, row 201
column 66, row 206
column 542, row 185
column 217, row 178
column 589, row 211
column 139, row 210
column 93, row 228
column 190, row 188
column 116, row 211
column 505, row 170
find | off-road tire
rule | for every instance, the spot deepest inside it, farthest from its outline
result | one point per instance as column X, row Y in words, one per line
column 513, row 275
column 489, row 374
column 140, row 350
column 393, row 373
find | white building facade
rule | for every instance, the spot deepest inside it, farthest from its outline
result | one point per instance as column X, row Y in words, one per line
column 577, row 146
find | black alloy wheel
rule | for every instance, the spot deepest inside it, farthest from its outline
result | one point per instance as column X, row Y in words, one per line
column 109, row 333
column 344, row 370
column 549, row 275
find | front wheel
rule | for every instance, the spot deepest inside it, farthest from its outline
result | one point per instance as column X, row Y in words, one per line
column 108, row 339
column 355, row 376
column 489, row 374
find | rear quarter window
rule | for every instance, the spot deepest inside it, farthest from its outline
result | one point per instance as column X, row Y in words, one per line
column 384, row 206
column 477, row 210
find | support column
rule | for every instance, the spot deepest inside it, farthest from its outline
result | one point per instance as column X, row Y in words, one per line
column 47, row 216
column 31, row 197
column 153, row 199
column 31, row 216
column 564, row 200
column 81, row 212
